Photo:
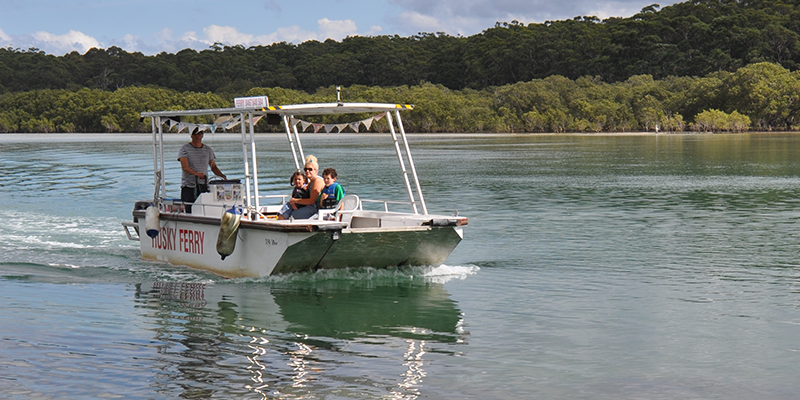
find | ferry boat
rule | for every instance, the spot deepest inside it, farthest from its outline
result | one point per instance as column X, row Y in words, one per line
column 232, row 229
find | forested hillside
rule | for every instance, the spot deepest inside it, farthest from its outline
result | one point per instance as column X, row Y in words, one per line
column 662, row 67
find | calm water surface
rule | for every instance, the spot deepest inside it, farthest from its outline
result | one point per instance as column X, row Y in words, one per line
column 593, row 267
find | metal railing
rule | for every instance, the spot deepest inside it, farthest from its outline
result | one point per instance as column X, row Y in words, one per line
column 387, row 202
column 126, row 226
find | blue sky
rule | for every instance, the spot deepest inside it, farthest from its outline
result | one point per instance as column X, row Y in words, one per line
column 153, row 26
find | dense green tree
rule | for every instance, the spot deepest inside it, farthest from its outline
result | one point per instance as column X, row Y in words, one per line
column 690, row 39
column 768, row 93
column 717, row 121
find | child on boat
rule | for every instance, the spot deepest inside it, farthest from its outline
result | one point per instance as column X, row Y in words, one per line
column 333, row 191
column 300, row 191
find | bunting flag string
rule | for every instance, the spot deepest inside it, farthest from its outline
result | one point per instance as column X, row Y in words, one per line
column 225, row 123
column 328, row 128
column 228, row 122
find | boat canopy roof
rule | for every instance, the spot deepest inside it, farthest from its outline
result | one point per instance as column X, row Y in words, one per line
column 253, row 107
column 292, row 109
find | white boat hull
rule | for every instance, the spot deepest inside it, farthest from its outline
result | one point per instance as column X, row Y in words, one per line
column 269, row 247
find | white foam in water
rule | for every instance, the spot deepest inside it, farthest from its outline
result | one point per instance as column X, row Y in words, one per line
column 59, row 232
column 440, row 274
column 52, row 244
column 445, row 273
column 64, row 266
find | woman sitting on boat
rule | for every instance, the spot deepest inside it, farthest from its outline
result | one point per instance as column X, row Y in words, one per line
column 307, row 206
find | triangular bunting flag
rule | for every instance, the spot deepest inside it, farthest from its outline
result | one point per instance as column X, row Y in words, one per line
column 368, row 122
column 222, row 119
column 232, row 123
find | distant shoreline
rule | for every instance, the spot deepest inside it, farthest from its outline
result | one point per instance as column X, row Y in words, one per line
column 15, row 137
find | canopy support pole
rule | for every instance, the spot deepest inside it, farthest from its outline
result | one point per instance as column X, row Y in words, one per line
column 402, row 163
column 247, row 174
column 291, row 142
column 161, row 155
column 299, row 145
column 154, row 122
column 159, row 183
column 411, row 162
column 255, row 164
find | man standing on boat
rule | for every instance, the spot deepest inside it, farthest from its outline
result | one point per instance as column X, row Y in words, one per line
column 195, row 158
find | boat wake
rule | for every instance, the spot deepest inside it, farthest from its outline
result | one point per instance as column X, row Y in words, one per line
column 419, row 274
column 445, row 273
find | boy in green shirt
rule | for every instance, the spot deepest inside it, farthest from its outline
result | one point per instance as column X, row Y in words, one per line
column 333, row 191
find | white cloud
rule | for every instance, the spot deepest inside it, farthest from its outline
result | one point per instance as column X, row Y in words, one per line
column 617, row 9
column 130, row 42
column 189, row 35
column 164, row 34
column 336, row 30
column 72, row 40
column 4, row 39
column 374, row 30
column 420, row 22
column 227, row 35
column 295, row 34
column 472, row 16
column 291, row 34
column 51, row 43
